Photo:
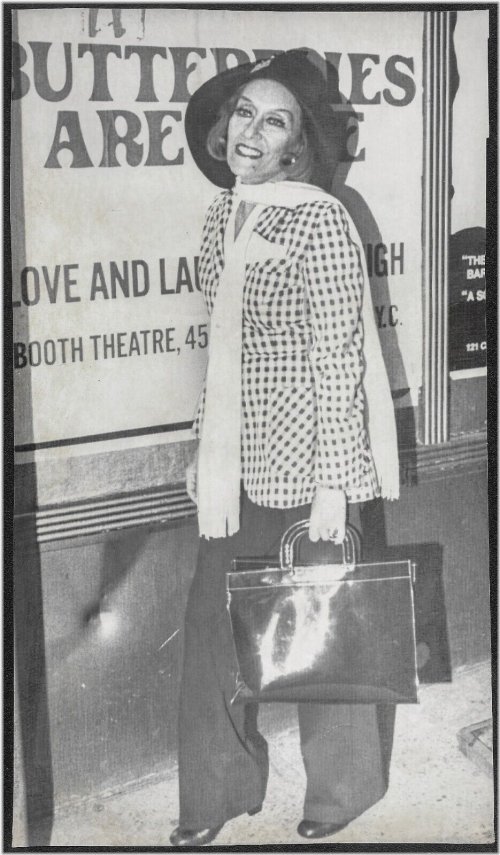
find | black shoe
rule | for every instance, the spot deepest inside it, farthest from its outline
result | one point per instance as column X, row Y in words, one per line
column 310, row 829
column 255, row 810
column 185, row 837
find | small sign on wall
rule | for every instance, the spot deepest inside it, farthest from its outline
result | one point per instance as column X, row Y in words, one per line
column 467, row 296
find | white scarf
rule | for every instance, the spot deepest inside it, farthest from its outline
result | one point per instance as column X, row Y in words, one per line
column 219, row 460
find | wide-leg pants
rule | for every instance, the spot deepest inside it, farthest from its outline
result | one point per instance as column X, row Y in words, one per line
column 223, row 759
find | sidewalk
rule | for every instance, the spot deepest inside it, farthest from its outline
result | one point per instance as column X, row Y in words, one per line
column 436, row 794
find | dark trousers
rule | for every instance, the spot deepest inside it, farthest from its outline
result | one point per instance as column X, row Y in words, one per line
column 223, row 761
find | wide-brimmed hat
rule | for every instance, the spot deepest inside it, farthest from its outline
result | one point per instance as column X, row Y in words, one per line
column 324, row 128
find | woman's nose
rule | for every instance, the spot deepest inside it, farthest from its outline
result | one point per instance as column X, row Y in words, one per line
column 252, row 128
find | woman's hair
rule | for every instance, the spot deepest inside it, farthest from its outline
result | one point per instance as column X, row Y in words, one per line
column 302, row 166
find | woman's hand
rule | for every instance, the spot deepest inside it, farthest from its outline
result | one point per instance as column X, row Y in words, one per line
column 192, row 478
column 328, row 515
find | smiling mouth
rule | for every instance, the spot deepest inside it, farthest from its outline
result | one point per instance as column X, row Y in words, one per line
column 248, row 151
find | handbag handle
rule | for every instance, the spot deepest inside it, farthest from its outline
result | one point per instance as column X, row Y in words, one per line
column 350, row 545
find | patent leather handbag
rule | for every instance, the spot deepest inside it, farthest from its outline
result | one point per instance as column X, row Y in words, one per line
column 340, row 633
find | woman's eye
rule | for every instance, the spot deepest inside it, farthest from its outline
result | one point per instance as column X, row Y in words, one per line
column 243, row 111
column 276, row 121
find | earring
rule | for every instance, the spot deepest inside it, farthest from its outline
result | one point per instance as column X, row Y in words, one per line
column 288, row 159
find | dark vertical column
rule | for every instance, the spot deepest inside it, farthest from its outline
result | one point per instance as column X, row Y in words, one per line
column 33, row 785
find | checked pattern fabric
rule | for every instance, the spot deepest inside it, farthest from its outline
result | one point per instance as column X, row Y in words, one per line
column 302, row 362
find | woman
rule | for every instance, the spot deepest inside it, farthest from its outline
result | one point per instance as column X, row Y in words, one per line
column 281, row 423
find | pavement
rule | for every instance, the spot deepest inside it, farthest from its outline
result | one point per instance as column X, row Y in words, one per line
column 436, row 794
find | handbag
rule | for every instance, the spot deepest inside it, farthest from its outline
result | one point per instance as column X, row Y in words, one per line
column 340, row 633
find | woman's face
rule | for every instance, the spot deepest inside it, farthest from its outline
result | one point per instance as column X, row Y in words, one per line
column 265, row 125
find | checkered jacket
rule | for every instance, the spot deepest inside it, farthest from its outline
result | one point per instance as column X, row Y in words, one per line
column 302, row 364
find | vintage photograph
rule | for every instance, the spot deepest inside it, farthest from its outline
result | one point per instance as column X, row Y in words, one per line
column 247, row 256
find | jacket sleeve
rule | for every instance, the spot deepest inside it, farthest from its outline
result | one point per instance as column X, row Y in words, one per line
column 212, row 223
column 334, row 286
column 198, row 414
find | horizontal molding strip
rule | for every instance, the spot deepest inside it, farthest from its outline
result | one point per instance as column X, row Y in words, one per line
column 111, row 520
column 103, row 526
column 115, row 505
column 112, row 513
column 169, row 504
column 468, row 453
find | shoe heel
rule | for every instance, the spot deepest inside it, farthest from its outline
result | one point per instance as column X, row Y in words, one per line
column 255, row 810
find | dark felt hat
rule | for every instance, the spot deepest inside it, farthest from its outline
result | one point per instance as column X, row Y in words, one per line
column 325, row 129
